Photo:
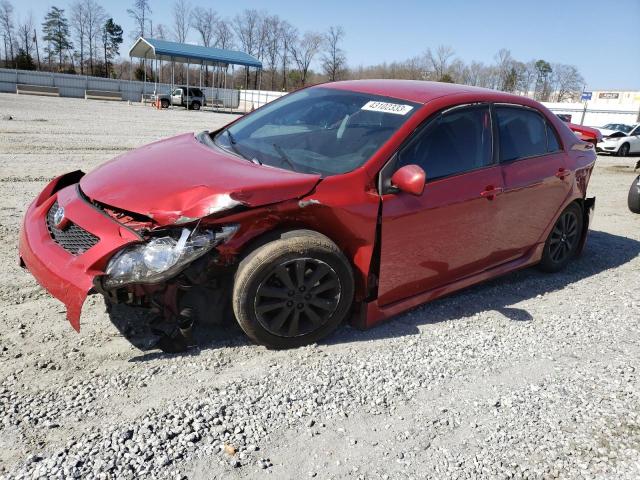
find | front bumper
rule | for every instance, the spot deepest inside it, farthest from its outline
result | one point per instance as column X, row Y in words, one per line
column 607, row 147
column 66, row 276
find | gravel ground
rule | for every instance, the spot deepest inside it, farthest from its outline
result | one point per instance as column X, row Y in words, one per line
column 527, row 376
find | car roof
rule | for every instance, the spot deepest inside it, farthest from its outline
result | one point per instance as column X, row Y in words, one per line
column 419, row 91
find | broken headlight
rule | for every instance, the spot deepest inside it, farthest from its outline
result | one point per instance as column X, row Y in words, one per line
column 162, row 257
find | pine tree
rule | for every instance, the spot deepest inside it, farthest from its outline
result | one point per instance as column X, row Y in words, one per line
column 111, row 40
column 56, row 33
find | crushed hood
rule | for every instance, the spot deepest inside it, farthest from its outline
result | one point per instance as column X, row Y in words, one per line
column 607, row 133
column 179, row 179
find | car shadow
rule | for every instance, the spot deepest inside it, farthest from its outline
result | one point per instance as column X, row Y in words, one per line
column 602, row 252
column 135, row 325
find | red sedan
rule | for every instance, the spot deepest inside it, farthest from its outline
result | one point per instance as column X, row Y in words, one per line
column 356, row 199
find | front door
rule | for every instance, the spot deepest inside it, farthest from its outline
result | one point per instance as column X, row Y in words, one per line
column 176, row 97
column 448, row 232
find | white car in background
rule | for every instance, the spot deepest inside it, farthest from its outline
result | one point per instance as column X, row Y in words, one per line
column 619, row 139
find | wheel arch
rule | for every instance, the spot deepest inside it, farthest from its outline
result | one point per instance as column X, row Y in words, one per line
column 587, row 205
column 282, row 231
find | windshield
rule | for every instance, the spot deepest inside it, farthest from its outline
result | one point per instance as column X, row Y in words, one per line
column 318, row 130
column 618, row 126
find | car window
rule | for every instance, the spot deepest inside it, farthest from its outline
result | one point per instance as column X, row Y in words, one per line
column 522, row 133
column 552, row 139
column 454, row 142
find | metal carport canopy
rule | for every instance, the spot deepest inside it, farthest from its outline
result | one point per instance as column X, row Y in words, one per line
column 151, row 48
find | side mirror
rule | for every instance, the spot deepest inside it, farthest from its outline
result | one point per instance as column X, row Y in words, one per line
column 409, row 179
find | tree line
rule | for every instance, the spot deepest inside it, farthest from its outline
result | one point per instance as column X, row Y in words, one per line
column 86, row 40
column 539, row 78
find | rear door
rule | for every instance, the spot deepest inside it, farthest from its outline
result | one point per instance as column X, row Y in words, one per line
column 449, row 231
column 535, row 175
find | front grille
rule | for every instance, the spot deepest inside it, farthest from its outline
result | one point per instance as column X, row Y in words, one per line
column 73, row 239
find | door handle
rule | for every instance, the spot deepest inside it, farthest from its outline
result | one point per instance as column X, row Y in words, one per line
column 563, row 172
column 490, row 192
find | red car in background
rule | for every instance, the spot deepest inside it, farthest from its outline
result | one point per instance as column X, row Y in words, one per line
column 586, row 134
column 356, row 199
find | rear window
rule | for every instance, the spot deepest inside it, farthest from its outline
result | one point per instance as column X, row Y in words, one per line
column 552, row 139
column 522, row 132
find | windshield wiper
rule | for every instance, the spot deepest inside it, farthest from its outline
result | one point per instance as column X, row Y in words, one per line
column 233, row 147
column 284, row 156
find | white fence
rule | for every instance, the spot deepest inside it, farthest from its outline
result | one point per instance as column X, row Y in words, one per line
column 75, row 85
column 257, row 98
column 590, row 113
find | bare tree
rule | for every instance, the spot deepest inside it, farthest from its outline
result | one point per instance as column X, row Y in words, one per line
column 333, row 60
column 204, row 22
column 161, row 32
column 25, row 33
column 248, row 28
column 181, row 25
column 78, row 22
column 473, row 74
column 273, row 45
column 95, row 17
column 566, row 82
column 504, row 65
column 303, row 51
column 438, row 61
column 223, row 35
column 289, row 35
column 7, row 26
column 140, row 14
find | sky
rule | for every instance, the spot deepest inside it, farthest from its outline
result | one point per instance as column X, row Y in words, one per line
column 601, row 38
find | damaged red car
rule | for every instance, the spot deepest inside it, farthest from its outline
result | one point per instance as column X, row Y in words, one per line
column 347, row 201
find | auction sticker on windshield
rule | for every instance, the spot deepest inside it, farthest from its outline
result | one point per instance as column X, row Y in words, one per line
column 395, row 108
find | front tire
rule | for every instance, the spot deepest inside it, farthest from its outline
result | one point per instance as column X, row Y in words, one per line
column 293, row 291
column 564, row 240
column 623, row 151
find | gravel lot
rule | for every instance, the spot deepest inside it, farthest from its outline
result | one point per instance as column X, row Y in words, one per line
column 528, row 376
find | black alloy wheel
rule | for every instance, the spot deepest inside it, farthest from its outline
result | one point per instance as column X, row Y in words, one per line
column 297, row 297
column 564, row 237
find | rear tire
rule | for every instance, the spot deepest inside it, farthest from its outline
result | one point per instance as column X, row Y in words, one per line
column 293, row 291
column 633, row 199
column 564, row 240
column 164, row 103
column 195, row 105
